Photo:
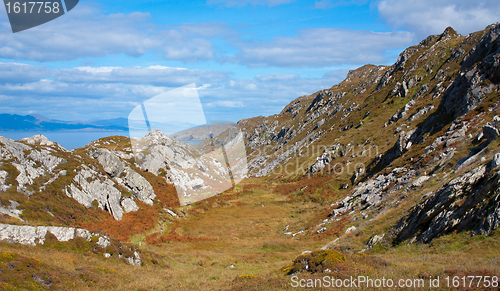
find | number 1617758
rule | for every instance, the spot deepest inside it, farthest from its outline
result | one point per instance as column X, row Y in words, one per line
column 32, row 7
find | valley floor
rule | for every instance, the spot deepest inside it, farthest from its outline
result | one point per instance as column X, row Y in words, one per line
column 242, row 240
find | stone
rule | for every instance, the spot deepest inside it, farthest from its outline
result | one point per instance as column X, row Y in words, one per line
column 466, row 202
column 61, row 233
column 351, row 229
column 12, row 210
column 374, row 240
column 490, row 132
column 138, row 186
column 468, row 90
column 495, row 162
column 85, row 192
column 420, row 181
column 32, row 236
column 129, row 205
column 38, row 139
column 110, row 162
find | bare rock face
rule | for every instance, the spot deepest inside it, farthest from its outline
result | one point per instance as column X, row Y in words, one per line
column 490, row 132
column 124, row 175
column 196, row 174
column 3, row 186
column 468, row 90
column 403, row 144
column 138, row 186
column 496, row 160
column 129, row 205
column 32, row 163
column 102, row 191
column 110, row 162
column 38, row 139
column 469, row 201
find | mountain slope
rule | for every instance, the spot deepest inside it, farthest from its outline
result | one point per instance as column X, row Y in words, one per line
column 391, row 156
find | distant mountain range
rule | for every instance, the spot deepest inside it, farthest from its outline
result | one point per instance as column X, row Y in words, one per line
column 201, row 132
column 37, row 122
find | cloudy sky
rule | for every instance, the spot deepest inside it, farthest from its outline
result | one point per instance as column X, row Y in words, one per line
column 246, row 57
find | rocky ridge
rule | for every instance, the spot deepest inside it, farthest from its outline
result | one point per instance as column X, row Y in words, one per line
column 429, row 117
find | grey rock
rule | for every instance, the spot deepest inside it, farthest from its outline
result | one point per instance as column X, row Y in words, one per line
column 420, row 181
column 104, row 192
column 420, row 113
column 496, row 122
column 495, row 162
column 12, row 210
column 490, row 132
column 468, row 202
column 32, row 236
column 25, row 235
column 61, row 233
column 124, row 175
column 139, row 187
column 110, row 162
column 468, row 90
column 135, row 260
column 351, row 229
column 38, row 139
column 376, row 239
column 402, row 112
column 31, row 163
column 129, row 205
column 3, row 176
column 403, row 144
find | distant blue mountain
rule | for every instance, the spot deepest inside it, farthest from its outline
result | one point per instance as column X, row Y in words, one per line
column 14, row 122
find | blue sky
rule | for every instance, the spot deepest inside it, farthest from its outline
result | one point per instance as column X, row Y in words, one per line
column 247, row 57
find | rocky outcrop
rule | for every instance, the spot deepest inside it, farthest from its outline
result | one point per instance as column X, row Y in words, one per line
column 3, row 186
column 471, row 201
column 403, row 144
column 32, row 163
column 196, row 174
column 38, row 140
column 124, row 175
column 496, row 161
column 32, row 236
column 482, row 63
column 12, row 210
column 402, row 112
column 88, row 187
column 491, row 130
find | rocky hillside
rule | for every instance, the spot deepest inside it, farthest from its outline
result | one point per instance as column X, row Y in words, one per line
column 392, row 155
column 201, row 133
column 394, row 133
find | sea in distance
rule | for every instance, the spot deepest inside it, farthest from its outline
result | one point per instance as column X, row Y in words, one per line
column 71, row 139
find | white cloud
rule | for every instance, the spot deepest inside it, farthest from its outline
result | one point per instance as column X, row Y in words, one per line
column 322, row 47
column 431, row 17
column 228, row 104
column 241, row 3
column 16, row 73
column 84, row 93
column 90, row 33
